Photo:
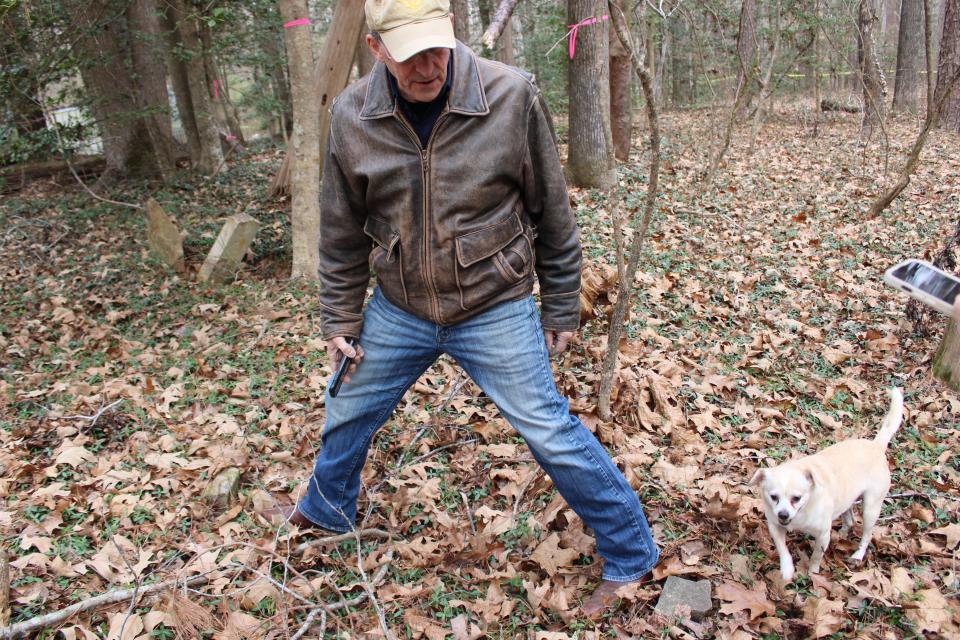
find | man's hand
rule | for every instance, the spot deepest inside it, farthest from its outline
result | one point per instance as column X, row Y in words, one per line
column 557, row 340
column 337, row 348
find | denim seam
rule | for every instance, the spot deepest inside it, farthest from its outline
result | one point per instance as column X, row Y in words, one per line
column 547, row 377
column 381, row 418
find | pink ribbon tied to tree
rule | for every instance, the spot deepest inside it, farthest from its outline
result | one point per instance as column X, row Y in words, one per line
column 575, row 27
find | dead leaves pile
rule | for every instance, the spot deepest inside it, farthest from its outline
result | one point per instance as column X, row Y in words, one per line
column 761, row 329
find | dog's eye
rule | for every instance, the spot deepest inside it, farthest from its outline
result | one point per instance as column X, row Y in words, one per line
column 774, row 497
column 795, row 499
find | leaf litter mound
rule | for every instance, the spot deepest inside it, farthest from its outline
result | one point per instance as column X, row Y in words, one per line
column 761, row 330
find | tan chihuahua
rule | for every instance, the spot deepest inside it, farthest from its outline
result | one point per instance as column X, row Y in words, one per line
column 808, row 494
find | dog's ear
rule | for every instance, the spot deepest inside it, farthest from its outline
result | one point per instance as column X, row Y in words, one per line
column 757, row 477
column 811, row 476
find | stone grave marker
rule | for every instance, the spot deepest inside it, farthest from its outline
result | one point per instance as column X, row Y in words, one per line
column 164, row 238
column 227, row 252
column 691, row 593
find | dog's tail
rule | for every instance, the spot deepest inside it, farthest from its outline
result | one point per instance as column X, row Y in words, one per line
column 891, row 423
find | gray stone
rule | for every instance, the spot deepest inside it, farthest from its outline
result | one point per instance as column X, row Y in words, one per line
column 681, row 592
column 163, row 236
column 227, row 252
column 224, row 488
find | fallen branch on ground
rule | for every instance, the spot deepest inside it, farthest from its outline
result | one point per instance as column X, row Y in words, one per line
column 23, row 629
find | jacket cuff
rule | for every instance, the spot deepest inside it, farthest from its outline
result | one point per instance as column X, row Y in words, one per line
column 560, row 311
column 339, row 325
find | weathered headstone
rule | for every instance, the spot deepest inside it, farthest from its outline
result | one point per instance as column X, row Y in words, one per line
column 688, row 593
column 227, row 251
column 224, row 488
column 163, row 236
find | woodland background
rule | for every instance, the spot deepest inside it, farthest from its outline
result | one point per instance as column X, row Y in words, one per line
column 757, row 166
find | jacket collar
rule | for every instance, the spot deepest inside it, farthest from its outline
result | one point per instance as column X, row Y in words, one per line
column 466, row 94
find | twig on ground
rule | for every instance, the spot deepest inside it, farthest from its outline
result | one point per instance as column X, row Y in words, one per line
column 309, row 621
column 93, row 419
column 33, row 625
column 362, row 533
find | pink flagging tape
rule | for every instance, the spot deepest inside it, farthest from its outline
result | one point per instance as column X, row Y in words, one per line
column 575, row 27
column 296, row 23
column 216, row 89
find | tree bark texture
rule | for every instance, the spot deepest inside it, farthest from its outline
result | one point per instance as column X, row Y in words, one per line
column 502, row 48
column 590, row 161
column 871, row 76
column 621, row 113
column 270, row 41
column 747, row 53
column 211, row 154
column 330, row 75
column 147, row 48
column 946, row 362
column 333, row 67
column 947, row 67
column 177, row 68
column 625, row 288
column 305, row 144
column 910, row 49
column 219, row 94
column 461, row 21
column 103, row 50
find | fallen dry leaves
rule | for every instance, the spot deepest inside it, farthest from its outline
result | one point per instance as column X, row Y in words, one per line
column 761, row 329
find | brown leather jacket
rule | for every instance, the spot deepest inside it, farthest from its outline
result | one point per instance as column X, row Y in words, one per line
column 455, row 228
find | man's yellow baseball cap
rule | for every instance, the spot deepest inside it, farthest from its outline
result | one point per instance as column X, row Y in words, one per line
column 407, row 27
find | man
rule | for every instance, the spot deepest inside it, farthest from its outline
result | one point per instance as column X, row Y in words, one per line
column 442, row 176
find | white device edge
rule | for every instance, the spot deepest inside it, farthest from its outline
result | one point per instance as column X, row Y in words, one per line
column 924, row 297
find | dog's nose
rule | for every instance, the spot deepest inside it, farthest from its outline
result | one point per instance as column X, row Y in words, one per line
column 784, row 516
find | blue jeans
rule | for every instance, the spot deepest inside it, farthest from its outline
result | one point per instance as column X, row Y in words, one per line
column 503, row 350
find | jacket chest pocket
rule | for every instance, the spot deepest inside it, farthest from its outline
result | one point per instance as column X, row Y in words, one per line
column 491, row 260
column 385, row 257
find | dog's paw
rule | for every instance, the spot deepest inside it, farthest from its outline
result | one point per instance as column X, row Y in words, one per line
column 787, row 572
column 858, row 556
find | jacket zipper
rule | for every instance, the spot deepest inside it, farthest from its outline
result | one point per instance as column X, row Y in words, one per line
column 425, row 219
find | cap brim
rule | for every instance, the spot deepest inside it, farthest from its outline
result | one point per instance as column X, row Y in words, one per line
column 410, row 39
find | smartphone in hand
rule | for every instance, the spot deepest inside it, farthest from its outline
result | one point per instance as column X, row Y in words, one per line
column 926, row 283
column 337, row 379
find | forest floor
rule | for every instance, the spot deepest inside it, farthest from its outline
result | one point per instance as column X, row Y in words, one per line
column 760, row 329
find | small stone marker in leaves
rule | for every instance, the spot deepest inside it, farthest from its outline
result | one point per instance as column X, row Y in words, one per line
column 224, row 488
column 225, row 256
column 688, row 593
column 163, row 236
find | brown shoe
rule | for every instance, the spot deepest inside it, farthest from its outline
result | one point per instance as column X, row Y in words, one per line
column 289, row 514
column 605, row 598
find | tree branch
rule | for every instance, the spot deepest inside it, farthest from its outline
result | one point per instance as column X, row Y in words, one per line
column 23, row 629
column 500, row 18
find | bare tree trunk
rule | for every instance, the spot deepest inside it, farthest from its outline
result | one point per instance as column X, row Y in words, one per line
column 621, row 112
column 871, row 76
column 305, row 145
column 211, row 154
column 935, row 108
column 126, row 142
column 625, row 287
column 815, row 68
column 330, row 76
column 177, row 69
column 910, row 48
column 223, row 110
column 747, row 53
column 270, row 41
column 461, row 20
column 590, row 161
column 151, row 90
column 947, row 67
